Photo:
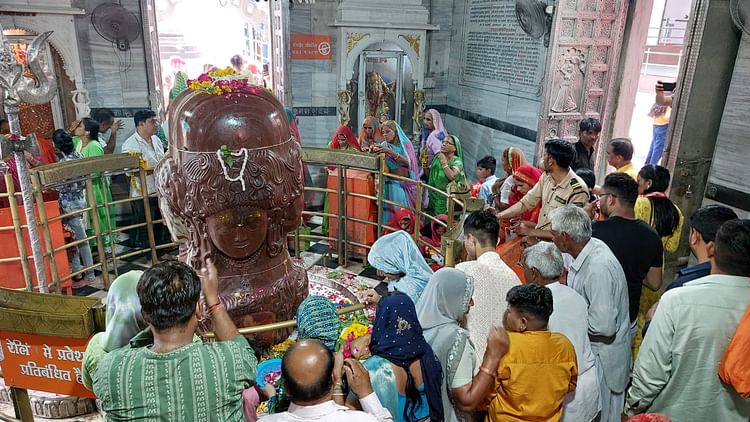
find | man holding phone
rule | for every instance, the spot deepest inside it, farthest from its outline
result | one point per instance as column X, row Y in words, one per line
column 660, row 113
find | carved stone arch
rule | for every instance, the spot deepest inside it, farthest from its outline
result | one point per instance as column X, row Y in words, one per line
column 353, row 56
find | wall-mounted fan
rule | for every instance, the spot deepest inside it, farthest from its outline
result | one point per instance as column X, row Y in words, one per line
column 116, row 24
column 535, row 18
column 740, row 11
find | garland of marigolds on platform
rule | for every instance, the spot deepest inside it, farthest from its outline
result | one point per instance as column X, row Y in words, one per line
column 223, row 81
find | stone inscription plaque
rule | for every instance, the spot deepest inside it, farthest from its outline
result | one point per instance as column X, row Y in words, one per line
column 497, row 55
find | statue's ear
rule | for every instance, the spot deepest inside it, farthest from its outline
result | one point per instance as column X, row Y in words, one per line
column 275, row 237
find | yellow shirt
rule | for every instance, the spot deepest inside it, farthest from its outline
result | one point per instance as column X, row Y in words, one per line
column 630, row 170
column 664, row 118
column 644, row 212
column 533, row 378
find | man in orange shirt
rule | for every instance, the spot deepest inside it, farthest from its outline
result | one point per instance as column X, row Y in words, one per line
column 540, row 367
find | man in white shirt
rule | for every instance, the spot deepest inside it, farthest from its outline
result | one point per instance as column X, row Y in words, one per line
column 312, row 378
column 492, row 277
column 145, row 142
column 598, row 277
column 543, row 264
column 676, row 373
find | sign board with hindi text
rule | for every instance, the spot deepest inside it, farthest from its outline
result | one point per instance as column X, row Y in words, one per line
column 43, row 337
column 311, row 47
column 43, row 363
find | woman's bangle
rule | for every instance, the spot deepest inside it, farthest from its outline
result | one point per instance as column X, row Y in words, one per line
column 213, row 308
column 486, row 371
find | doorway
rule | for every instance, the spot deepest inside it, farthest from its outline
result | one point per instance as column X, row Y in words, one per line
column 382, row 88
column 180, row 47
column 661, row 61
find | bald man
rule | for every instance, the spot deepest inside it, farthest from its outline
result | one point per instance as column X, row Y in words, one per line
column 312, row 378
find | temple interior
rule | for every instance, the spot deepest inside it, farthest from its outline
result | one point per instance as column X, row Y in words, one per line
column 499, row 78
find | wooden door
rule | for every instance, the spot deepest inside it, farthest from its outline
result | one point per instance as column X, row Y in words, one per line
column 582, row 63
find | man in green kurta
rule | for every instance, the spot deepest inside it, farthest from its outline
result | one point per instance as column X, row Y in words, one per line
column 162, row 375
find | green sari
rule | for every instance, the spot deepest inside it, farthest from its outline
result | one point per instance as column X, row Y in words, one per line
column 439, row 203
column 101, row 191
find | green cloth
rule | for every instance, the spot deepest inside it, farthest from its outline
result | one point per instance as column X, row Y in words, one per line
column 318, row 319
column 162, row 135
column 439, row 203
column 124, row 321
column 180, row 84
column 197, row 382
column 101, row 191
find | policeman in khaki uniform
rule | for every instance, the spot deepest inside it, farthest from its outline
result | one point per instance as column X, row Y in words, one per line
column 558, row 186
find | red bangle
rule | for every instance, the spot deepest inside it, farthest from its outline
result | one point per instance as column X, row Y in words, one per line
column 214, row 308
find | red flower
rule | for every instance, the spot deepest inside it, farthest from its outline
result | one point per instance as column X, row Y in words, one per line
column 13, row 137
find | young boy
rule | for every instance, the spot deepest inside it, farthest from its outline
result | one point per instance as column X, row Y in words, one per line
column 72, row 199
column 540, row 367
column 486, row 174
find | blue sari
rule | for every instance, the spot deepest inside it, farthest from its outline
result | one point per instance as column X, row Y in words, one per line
column 397, row 340
column 397, row 253
column 402, row 193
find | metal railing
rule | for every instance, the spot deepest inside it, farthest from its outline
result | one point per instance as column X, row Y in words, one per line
column 670, row 32
column 341, row 163
column 110, row 260
column 670, row 70
column 107, row 260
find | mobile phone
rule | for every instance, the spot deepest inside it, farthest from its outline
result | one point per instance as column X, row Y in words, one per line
column 669, row 86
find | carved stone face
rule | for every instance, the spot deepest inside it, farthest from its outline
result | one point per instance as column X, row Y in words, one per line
column 238, row 232
column 232, row 179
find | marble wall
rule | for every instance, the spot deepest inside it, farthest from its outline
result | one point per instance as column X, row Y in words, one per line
column 114, row 79
column 314, row 81
column 487, row 121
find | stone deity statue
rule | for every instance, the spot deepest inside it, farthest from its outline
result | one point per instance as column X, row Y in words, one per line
column 231, row 188
column 378, row 93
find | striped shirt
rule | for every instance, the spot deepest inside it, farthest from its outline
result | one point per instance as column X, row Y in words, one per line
column 197, row 382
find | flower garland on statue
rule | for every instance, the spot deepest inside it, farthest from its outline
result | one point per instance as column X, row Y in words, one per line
column 226, row 82
column 223, row 82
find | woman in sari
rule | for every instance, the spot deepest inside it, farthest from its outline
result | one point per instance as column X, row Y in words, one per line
column 513, row 159
column 524, row 178
column 401, row 160
column 432, row 137
column 403, row 219
column 370, row 134
column 293, row 124
column 442, row 313
column 447, row 167
column 656, row 209
column 344, row 139
column 397, row 259
column 404, row 372
column 123, row 322
column 88, row 145
column 317, row 319
column 432, row 236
